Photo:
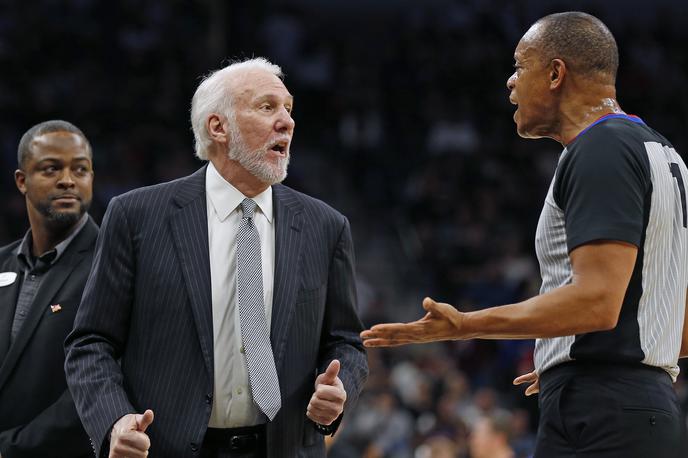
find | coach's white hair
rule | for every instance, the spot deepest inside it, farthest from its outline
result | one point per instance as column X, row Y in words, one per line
column 214, row 96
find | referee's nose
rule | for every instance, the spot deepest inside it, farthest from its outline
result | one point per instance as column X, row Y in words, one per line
column 511, row 82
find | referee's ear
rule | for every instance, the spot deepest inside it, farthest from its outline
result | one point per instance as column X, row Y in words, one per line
column 557, row 73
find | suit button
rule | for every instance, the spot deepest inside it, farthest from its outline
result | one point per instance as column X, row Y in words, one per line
column 194, row 447
column 208, row 398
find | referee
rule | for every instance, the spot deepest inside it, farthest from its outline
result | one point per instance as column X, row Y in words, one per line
column 612, row 242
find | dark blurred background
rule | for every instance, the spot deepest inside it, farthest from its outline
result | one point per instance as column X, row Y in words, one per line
column 403, row 124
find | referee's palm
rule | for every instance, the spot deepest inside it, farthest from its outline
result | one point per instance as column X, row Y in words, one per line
column 441, row 322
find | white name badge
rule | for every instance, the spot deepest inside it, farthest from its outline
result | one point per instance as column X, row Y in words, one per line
column 7, row 278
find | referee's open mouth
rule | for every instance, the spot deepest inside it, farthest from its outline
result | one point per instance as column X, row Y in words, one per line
column 514, row 102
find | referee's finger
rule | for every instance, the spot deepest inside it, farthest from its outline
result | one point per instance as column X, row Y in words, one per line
column 526, row 378
column 533, row 389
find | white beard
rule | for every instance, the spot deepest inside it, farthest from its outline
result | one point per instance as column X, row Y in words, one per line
column 255, row 161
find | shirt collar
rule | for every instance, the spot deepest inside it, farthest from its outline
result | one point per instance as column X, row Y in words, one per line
column 225, row 198
column 24, row 254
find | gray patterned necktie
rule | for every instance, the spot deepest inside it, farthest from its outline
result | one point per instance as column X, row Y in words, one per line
column 262, row 374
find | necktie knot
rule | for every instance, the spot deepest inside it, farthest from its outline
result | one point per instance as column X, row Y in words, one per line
column 248, row 206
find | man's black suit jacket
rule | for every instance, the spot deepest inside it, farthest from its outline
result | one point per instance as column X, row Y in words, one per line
column 143, row 337
column 37, row 414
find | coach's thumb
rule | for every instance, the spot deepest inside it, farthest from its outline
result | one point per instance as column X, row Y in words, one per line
column 144, row 421
column 331, row 373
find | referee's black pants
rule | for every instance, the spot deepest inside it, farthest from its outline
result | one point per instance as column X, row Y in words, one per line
column 601, row 410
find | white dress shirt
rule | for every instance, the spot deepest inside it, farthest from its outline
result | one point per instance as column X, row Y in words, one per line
column 233, row 404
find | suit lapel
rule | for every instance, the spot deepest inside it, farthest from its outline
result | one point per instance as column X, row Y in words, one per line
column 50, row 285
column 288, row 239
column 54, row 279
column 8, row 301
column 190, row 232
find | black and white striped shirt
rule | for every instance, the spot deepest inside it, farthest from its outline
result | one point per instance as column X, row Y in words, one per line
column 620, row 180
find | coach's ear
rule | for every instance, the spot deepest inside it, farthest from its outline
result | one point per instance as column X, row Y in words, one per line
column 218, row 128
column 557, row 73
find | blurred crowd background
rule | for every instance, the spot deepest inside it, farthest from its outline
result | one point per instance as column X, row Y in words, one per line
column 403, row 124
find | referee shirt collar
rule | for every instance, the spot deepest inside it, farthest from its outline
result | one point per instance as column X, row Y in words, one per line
column 225, row 198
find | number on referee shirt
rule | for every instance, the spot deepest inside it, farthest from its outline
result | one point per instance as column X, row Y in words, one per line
column 676, row 172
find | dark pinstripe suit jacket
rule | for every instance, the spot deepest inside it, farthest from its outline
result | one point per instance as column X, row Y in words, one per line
column 143, row 335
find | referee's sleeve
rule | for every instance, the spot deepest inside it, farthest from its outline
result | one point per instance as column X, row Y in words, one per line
column 601, row 186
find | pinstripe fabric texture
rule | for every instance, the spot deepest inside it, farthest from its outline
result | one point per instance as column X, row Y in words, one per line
column 255, row 336
column 663, row 270
column 143, row 335
column 555, row 269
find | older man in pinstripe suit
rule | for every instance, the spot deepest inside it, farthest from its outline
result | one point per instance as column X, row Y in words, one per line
column 219, row 318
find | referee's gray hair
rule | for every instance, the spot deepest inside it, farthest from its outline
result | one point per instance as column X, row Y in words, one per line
column 46, row 127
column 214, row 96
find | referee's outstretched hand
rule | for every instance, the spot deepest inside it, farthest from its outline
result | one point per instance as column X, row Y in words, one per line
column 533, row 379
column 441, row 322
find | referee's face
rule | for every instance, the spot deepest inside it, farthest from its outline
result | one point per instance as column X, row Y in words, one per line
column 529, row 90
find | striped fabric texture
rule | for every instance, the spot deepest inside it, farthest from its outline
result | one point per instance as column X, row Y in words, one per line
column 143, row 337
column 255, row 335
column 650, row 325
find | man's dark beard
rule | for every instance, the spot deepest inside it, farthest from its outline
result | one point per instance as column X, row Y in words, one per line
column 61, row 220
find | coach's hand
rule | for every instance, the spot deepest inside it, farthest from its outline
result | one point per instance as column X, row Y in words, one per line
column 533, row 379
column 441, row 322
column 327, row 402
column 128, row 438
